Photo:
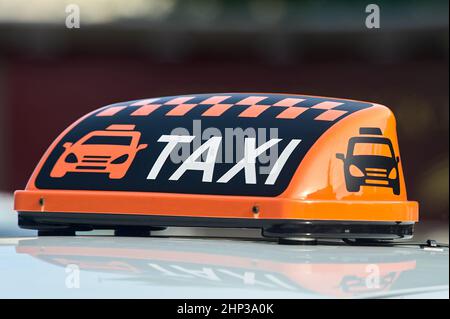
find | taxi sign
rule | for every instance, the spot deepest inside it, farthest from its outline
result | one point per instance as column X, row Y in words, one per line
column 292, row 165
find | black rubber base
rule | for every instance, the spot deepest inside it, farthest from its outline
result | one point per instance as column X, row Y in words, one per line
column 132, row 232
column 141, row 225
column 297, row 241
column 57, row 232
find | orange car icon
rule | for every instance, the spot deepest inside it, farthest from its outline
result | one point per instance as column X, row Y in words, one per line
column 110, row 151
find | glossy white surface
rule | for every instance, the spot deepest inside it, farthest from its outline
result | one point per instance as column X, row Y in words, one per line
column 178, row 267
column 214, row 268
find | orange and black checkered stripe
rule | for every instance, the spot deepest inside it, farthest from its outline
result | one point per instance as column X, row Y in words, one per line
column 292, row 107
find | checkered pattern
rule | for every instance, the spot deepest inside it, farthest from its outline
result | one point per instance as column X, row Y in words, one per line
column 254, row 105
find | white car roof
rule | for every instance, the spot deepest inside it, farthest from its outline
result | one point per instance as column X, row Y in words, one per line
column 171, row 266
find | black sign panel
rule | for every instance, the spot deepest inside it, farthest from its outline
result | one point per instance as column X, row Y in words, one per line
column 116, row 148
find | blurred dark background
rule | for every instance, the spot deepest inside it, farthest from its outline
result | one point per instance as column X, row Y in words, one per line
column 51, row 75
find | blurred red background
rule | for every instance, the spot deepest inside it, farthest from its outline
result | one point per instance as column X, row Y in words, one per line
column 51, row 75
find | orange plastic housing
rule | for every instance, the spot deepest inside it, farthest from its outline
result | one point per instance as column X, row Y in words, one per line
column 329, row 184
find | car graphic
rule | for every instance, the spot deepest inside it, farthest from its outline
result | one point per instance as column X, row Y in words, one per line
column 110, row 151
column 370, row 161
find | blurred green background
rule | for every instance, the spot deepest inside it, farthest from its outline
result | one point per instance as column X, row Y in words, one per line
column 50, row 75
